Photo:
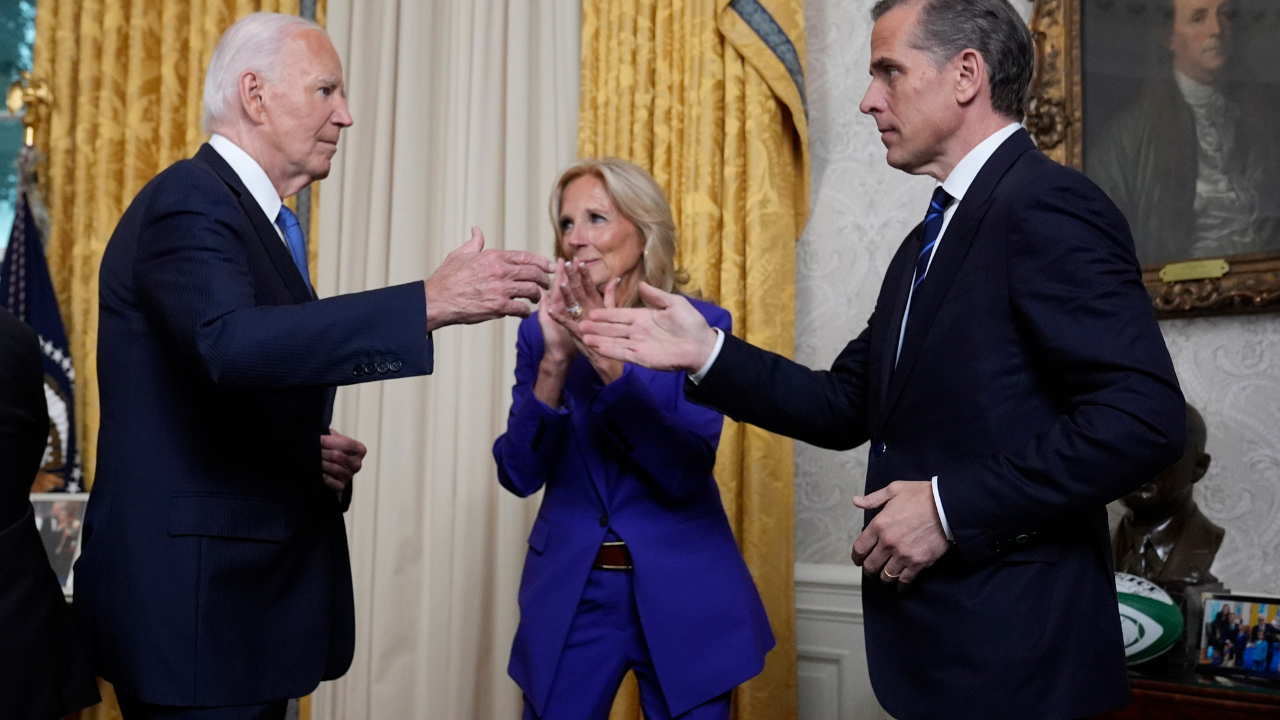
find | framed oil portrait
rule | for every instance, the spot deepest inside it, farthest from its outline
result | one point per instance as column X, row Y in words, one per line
column 59, row 517
column 1173, row 108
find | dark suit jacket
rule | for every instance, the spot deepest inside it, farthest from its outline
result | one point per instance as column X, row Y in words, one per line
column 214, row 568
column 1034, row 382
column 44, row 669
column 635, row 458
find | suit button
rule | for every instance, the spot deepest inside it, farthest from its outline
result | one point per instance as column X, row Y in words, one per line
column 1021, row 539
column 370, row 368
column 357, row 370
column 383, row 367
column 604, row 520
column 880, row 448
column 396, row 365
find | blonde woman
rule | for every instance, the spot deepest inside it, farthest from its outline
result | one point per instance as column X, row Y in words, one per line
column 631, row 562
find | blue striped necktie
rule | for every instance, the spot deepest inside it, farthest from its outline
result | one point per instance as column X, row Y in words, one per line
column 932, row 226
column 288, row 223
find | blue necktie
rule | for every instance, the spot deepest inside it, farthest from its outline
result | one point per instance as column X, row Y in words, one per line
column 932, row 226
column 288, row 223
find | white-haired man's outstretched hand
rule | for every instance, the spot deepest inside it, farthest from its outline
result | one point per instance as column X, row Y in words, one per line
column 669, row 334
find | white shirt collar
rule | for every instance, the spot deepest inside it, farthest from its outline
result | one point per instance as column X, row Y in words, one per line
column 1195, row 92
column 962, row 175
column 251, row 174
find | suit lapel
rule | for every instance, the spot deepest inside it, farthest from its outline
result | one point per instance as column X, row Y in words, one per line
column 954, row 246
column 885, row 341
column 266, row 232
column 581, row 376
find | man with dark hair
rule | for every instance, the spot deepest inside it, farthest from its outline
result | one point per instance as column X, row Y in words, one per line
column 1195, row 163
column 1011, row 381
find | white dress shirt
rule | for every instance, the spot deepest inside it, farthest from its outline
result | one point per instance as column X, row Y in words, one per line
column 253, row 177
column 956, row 185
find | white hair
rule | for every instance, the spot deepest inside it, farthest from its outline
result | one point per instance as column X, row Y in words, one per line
column 253, row 43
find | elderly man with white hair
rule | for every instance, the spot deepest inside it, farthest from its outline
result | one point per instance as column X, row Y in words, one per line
column 215, row 580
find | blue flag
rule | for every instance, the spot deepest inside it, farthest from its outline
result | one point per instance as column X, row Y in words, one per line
column 27, row 291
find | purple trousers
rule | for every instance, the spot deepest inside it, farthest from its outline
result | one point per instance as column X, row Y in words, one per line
column 604, row 642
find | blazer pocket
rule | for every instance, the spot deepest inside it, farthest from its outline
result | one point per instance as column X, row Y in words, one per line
column 538, row 537
column 230, row 516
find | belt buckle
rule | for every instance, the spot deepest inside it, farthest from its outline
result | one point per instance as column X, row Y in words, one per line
column 614, row 544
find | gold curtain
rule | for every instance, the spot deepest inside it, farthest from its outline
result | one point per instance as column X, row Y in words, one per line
column 127, row 79
column 708, row 95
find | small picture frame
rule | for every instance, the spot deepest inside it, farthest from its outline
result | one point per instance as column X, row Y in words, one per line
column 1240, row 637
column 59, row 519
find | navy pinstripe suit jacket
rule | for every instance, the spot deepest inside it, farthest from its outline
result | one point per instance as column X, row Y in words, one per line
column 214, row 568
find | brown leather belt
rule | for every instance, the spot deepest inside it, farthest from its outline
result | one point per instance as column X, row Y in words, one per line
column 613, row 556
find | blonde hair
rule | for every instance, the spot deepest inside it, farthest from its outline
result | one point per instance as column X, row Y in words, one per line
column 641, row 201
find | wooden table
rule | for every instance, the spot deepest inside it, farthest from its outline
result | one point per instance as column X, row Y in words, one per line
column 1196, row 700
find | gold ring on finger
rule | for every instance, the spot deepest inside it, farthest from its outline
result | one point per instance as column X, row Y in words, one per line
column 890, row 575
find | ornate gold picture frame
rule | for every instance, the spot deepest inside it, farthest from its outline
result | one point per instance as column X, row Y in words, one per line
column 1179, row 286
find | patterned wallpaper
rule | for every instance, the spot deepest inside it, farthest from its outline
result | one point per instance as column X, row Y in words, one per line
column 1230, row 370
column 1229, row 367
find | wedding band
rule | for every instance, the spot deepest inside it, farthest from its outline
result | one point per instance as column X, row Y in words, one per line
column 886, row 574
column 575, row 311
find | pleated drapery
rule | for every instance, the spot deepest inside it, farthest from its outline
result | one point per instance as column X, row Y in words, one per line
column 127, row 78
column 709, row 96
column 465, row 112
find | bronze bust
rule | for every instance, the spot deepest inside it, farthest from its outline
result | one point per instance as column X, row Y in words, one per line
column 1164, row 537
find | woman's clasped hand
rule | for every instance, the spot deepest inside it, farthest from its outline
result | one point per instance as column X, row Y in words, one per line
column 573, row 290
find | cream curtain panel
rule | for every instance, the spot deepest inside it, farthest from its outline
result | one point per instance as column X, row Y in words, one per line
column 464, row 113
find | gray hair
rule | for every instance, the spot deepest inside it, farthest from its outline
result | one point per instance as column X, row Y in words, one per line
column 991, row 27
column 641, row 201
column 253, row 43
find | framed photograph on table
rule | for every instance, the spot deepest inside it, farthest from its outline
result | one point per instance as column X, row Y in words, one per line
column 1173, row 108
column 1240, row 637
column 59, row 518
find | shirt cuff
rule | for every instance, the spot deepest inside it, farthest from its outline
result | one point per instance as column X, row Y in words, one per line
column 942, row 514
column 715, row 353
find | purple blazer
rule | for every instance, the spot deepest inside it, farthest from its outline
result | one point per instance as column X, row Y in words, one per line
column 634, row 456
